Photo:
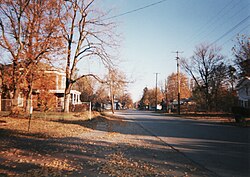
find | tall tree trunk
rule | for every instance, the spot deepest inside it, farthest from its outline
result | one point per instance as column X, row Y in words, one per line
column 0, row 100
column 207, row 97
column 29, row 98
column 66, row 99
column 14, row 101
column 112, row 104
column 68, row 76
column 1, row 86
column 111, row 94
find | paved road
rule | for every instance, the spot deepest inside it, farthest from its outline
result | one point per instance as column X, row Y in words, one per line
column 222, row 149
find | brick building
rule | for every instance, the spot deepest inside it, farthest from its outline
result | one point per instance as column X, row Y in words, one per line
column 48, row 91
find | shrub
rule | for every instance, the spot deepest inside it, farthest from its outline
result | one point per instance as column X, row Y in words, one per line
column 240, row 113
column 79, row 107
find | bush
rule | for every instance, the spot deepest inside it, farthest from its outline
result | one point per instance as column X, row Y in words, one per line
column 79, row 107
column 240, row 113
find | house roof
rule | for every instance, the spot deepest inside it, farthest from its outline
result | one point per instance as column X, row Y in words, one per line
column 42, row 67
column 242, row 83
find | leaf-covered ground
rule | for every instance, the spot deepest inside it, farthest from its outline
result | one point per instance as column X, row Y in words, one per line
column 103, row 146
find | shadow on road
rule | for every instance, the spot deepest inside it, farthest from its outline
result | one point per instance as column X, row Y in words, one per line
column 29, row 154
column 89, row 155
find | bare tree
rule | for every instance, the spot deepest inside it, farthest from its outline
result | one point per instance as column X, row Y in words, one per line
column 117, row 83
column 29, row 33
column 144, row 102
column 231, row 77
column 86, row 87
column 203, row 67
column 101, row 94
column 112, row 87
column 87, row 35
column 41, row 40
column 217, row 82
column 11, row 38
column 126, row 101
column 242, row 55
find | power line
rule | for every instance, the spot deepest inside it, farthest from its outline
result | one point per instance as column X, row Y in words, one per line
column 135, row 10
column 230, row 30
column 235, row 34
column 229, row 18
column 223, row 23
column 210, row 21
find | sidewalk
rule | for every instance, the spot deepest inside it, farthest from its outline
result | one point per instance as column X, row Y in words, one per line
column 101, row 147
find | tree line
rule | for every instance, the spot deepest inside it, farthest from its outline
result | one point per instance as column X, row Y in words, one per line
column 210, row 78
column 114, row 89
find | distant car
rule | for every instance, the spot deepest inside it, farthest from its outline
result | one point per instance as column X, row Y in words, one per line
column 159, row 107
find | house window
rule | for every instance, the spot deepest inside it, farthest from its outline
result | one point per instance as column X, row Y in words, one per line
column 246, row 104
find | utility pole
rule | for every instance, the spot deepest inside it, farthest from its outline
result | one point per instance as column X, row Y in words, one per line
column 156, row 75
column 166, row 95
column 178, row 80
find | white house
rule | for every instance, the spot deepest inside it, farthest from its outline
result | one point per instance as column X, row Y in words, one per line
column 243, row 92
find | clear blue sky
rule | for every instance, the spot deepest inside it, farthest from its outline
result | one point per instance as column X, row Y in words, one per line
column 152, row 34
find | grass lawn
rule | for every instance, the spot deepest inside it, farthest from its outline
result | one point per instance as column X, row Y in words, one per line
column 54, row 115
column 218, row 117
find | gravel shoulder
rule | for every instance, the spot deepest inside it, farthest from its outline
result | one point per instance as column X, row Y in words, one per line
column 104, row 146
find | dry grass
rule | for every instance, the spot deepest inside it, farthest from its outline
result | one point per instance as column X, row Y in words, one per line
column 217, row 117
column 48, row 124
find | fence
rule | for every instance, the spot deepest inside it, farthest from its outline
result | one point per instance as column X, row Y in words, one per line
column 84, row 106
column 7, row 103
